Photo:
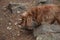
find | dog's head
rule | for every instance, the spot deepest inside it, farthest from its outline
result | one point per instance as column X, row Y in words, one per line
column 27, row 21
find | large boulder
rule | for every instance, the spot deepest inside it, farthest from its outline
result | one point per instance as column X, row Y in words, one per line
column 47, row 32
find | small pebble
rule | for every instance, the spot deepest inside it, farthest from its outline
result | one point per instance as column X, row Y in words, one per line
column 9, row 28
column 19, row 26
column 18, row 11
column 18, row 34
column 20, row 19
column 9, row 23
column 16, row 23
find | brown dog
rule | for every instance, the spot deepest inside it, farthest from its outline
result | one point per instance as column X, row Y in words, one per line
column 35, row 16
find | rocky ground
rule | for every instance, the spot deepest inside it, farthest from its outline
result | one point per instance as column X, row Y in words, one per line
column 9, row 28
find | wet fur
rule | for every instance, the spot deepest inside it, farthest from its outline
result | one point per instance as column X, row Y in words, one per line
column 38, row 15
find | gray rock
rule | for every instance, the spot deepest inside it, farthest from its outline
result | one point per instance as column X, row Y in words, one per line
column 17, row 7
column 47, row 36
column 46, row 28
column 39, row 2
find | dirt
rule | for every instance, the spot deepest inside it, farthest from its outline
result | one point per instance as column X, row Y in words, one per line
column 9, row 29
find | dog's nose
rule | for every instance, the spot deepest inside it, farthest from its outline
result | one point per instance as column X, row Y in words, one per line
column 34, row 24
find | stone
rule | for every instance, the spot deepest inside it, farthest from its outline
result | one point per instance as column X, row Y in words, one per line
column 17, row 7
column 46, row 28
column 9, row 28
column 40, row 2
column 47, row 36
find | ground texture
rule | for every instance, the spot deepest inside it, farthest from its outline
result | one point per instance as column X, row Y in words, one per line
column 9, row 29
